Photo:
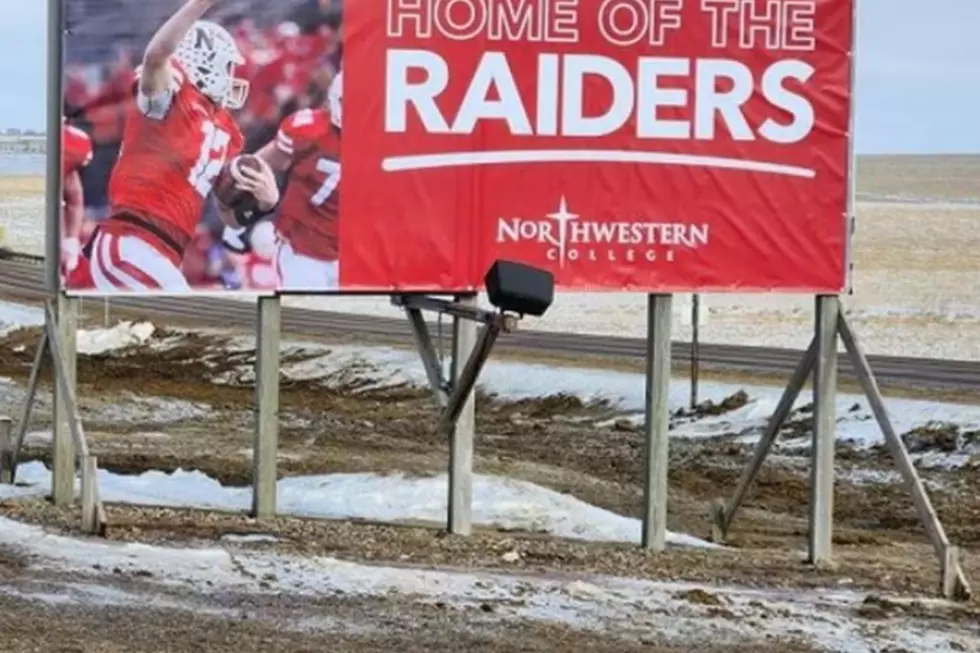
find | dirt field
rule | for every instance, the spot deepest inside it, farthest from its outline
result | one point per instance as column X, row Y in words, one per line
column 948, row 178
column 339, row 424
column 21, row 187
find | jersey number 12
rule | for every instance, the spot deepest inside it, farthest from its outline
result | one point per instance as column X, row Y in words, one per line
column 214, row 149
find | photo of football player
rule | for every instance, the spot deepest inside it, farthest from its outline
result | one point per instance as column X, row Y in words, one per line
column 171, row 93
column 307, row 145
column 178, row 135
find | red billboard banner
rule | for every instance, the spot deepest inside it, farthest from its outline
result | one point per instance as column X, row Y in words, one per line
column 655, row 145
column 644, row 145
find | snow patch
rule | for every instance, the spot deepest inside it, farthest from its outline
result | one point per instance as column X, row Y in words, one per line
column 121, row 336
column 497, row 502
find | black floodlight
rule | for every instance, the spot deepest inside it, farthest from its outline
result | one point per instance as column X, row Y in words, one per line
column 519, row 288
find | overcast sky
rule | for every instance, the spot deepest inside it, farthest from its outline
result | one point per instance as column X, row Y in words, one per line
column 918, row 73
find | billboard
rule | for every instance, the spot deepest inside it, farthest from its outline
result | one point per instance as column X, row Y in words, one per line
column 642, row 145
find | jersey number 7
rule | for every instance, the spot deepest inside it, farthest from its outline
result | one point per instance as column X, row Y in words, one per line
column 332, row 170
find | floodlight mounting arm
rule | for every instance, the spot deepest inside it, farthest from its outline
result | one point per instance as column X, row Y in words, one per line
column 449, row 307
column 451, row 395
column 464, row 385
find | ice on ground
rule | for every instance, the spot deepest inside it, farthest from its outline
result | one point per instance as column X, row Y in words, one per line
column 497, row 502
column 825, row 619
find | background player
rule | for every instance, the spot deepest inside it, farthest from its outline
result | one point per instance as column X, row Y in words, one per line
column 178, row 135
column 76, row 154
column 308, row 146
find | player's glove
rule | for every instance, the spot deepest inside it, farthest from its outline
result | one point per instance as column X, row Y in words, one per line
column 249, row 217
column 237, row 240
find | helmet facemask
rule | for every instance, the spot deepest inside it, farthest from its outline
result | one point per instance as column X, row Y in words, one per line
column 209, row 57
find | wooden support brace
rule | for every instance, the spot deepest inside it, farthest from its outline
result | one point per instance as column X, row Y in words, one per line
column 954, row 583
column 722, row 516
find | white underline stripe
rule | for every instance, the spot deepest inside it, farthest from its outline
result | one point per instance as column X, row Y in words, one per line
column 463, row 159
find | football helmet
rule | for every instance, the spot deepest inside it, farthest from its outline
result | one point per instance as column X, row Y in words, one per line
column 208, row 55
column 335, row 98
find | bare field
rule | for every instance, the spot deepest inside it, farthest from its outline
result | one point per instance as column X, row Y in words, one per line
column 341, row 425
column 921, row 177
column 20, row 187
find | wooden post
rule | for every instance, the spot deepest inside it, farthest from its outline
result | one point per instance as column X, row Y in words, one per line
column 90, row 512
column 695, row 347
column 659, row 314
column 824, row 431
column 63, row 456
column 459, row 517
column 6, row 450
column 266, row 445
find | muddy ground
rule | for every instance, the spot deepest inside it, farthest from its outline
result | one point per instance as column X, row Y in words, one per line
column 342, row 424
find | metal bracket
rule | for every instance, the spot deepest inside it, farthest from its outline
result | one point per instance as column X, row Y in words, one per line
column 451, row 396
column 468, row 377
column 507, row 321
column 454, row 395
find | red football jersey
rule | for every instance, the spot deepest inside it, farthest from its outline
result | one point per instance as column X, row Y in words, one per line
column 174, row 146
column 309, row 211
column 76, row 149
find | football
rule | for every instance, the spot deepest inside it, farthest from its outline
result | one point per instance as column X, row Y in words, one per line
column 225, row 189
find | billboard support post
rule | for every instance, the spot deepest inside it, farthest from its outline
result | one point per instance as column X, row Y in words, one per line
column 266, row 444
column 824, row 431
column 65, row 314
column 821, row 359
column 63, row 456
column 52, row 180
column 659, row 314
column 695, row 347
column 459, row 519
column 50, row 347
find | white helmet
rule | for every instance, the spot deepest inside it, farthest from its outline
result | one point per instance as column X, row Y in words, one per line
column 335, row 98
column 209, row 55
